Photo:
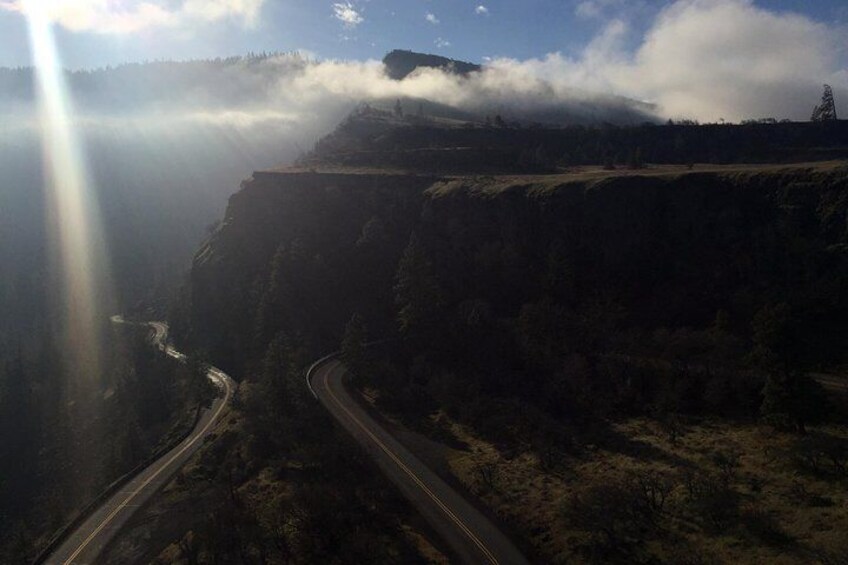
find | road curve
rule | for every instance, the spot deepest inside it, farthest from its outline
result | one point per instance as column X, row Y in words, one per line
column 85, row 544
column 472, row 536
column 832, row 383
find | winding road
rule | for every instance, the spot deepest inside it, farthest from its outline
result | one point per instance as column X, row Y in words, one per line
column 472, row 536
column 832, row 383
column 86, row 542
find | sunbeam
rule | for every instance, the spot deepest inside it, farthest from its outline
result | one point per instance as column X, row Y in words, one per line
column 72, row 208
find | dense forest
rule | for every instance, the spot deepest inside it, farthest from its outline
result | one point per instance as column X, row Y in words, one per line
column 136, row 87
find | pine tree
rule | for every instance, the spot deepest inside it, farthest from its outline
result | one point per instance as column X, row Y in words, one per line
column 417, row 292
column 634, row 159
column 790, row 398
column 826, row 111
column 353, row 346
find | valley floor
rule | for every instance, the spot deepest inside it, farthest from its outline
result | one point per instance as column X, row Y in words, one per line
column 732, row 493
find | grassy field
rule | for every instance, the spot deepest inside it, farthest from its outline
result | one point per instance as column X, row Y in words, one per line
column 732, row 494
column 583, row 173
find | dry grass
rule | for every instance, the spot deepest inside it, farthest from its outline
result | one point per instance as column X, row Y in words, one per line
column 582, row 174
column 811, row 511
column 589, row 176
column 425, row 547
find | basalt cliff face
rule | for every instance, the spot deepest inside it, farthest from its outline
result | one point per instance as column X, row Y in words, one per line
column 299, row 252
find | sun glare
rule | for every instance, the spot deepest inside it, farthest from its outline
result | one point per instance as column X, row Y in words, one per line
column 72, row 211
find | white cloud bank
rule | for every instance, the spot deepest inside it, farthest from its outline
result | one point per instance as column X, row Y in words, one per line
column 111, row 17
column 731, row 59
column 700, row 59
column 710, row 59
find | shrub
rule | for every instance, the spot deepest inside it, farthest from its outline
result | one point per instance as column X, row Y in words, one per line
column 712, row 500
column 619, row 511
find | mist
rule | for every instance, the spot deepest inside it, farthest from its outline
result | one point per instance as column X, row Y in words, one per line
column 168, row 142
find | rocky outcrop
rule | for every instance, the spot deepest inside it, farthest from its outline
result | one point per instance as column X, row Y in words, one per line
column 400, row 64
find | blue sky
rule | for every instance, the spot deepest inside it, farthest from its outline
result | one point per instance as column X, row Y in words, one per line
column 127, row 30
column 704, row 59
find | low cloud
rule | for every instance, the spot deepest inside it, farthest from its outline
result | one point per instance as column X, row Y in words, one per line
column 104, row 17
column 718, row 59
column 481, row 10
column 431, row 18
column 699, row 59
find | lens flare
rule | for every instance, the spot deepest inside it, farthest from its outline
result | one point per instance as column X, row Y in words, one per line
column 72, row 213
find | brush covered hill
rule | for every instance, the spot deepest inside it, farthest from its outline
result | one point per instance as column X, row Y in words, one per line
column 423, row 137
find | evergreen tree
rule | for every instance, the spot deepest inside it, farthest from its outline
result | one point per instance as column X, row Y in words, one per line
column 560, row 280
column 281, row 374
column 417, row 293
column 790, row 398
column 634, row 159
column 196, row 370
column 353, row 346
column 826, row 111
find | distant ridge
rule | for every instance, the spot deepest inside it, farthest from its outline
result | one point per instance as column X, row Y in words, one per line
column 400, row 64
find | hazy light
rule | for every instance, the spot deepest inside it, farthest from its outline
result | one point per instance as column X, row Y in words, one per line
column 72, row 215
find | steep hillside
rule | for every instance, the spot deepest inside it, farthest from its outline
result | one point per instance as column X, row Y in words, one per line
column 543, row 325
column 670, row 248
column 289, row 241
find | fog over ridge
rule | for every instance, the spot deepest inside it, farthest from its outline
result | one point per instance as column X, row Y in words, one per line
column 700, row 59
column 176, row 131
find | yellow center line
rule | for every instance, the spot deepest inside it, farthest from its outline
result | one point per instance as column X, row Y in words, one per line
column 152, row 477
column 409, row 472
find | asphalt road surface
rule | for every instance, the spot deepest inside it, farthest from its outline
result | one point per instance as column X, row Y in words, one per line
column 85, row 544
column 833, row 383
column 472, row 536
